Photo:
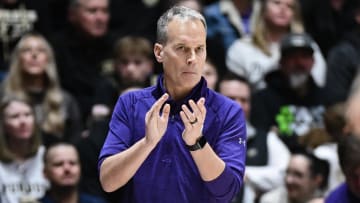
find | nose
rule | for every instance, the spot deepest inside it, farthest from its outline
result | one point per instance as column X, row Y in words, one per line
column 191, row 58
column 289, row 179
column 23, row 120
column 102, row 15
column 34, row 54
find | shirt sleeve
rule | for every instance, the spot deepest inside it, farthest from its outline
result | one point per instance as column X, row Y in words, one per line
column 231, row 148
column 119, row 136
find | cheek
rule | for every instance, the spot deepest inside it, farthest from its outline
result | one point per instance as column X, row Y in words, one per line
column 10, row 128
column 43, row 58
column 24, row 58
column 290, row 14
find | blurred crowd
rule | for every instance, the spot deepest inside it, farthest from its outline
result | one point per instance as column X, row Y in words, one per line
column 292, row 65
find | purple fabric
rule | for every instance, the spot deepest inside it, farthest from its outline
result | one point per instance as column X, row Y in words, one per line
column 169, row 174
column 342, row 194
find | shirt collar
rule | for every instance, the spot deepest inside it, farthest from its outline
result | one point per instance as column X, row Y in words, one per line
column 200, row 90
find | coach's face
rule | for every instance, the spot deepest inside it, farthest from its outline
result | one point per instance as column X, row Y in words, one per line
column 184, row 53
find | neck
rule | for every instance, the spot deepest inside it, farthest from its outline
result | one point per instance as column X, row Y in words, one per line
column 176, row 92
column 64, row 194
column 19, row 147
column 34, row 82
column 276, row 33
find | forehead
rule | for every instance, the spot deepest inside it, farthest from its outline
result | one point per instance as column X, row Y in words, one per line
column 60, row 152
column 16, row 106
column 299, row 163
column 234, row 86
column 186, row 30
column 33, row 41
column 91, row 3
column 283, row 1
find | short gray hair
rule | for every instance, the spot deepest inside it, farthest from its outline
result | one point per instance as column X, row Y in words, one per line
column 181, row 12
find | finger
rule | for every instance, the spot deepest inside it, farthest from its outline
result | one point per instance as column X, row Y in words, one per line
column 184, row 119
column 201, row 106
column 195, row 108
column 166, row 112
column 188, row 113
column 155, row 109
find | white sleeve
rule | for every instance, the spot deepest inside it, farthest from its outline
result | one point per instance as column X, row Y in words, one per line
column 271, row 175
column 318, row 72
column 235, row 58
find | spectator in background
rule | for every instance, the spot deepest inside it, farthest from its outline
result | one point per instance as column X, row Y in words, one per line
column 135, row 17
column 63, row 170
column 253, row 57
column 305, row 179
column 292, row 101
column 334, row 121
column 344, row 60
column 227, row 21
column 17, row 18
column 133, row 66
column 210, row 74
column 33, row 76
column 348, row 152
column 267, row 156
column 352, row 110
column 327, row 21
column 21, row 153
column 83, row 49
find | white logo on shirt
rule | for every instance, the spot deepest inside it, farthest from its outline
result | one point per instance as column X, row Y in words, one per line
column 242, row 141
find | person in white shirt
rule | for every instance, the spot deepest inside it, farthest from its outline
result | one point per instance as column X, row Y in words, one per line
column 258, row 54
column 21, row 153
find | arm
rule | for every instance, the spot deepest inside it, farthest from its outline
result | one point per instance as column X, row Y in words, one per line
column 222, row 165
column 129, row 160
column 209, row 164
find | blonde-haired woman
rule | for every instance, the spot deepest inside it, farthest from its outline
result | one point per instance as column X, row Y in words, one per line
column 21, row 153
column 33, row 77
column 254, row 56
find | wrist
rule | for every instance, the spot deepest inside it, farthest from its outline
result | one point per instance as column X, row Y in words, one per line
column 199, row 144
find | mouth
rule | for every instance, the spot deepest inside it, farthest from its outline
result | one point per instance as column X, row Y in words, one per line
column 189, row 72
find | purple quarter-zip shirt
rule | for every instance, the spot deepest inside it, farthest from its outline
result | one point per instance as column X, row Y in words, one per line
column 169, row 173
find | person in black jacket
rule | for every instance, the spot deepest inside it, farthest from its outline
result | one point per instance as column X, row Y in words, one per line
column 292, row 102
column 344, row 61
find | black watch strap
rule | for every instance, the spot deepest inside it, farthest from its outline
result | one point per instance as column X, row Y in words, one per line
column 200, row 143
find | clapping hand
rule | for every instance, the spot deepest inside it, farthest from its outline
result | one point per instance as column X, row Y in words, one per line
column 193, row 120
column 156, row 123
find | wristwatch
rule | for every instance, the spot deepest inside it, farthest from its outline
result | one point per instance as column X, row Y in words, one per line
column 200, row 143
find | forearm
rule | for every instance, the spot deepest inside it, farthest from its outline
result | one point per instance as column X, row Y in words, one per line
column 118, row 169
column 208, row 163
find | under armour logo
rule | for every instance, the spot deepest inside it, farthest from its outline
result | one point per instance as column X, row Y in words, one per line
column 242, row 141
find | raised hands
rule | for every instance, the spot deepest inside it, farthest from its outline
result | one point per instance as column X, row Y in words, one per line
column 193, row 120
column 156, row 122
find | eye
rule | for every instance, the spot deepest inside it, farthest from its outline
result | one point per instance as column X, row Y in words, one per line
column 180, row 48
column 199, row 49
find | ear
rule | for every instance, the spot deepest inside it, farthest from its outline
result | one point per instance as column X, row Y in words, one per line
column 158, row 52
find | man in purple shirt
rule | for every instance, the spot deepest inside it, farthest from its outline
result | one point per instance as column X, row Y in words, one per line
column 348, row 192
column 177, row 141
